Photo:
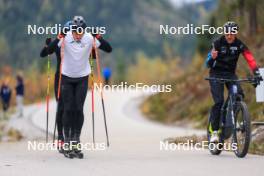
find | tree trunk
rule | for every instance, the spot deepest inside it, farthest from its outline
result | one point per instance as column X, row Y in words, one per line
column 253, row 23
column 241, row 7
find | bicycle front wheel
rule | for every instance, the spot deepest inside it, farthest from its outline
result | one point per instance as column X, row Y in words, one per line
column 242, row 132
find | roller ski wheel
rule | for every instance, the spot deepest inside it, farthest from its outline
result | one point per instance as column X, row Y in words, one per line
column 69, row 154
column 78, row 154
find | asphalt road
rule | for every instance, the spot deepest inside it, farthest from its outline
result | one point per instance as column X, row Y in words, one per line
column 134, row 146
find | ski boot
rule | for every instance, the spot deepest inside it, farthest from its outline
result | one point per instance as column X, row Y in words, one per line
column 60, row 146
column 77, row 151
column 67, row 151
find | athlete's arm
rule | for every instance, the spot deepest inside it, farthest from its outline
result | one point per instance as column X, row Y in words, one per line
column 52, row 46
column 104, row 45
column 248, row 56
column 250, row 59
column 209, row 60
column 44, row 52
column 212, row 56
column 253, row 66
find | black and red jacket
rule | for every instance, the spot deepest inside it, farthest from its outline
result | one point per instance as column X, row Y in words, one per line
column 228, row 54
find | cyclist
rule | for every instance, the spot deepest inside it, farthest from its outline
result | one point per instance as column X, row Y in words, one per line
column 222, row 61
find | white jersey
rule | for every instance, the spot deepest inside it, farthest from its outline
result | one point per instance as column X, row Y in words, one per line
column 76, row 55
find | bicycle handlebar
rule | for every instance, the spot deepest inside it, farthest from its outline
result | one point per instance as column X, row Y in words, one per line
column 222, row 80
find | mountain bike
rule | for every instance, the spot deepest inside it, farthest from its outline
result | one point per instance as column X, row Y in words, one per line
column 234, row 119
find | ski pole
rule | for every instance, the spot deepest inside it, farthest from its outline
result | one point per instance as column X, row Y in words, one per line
column 62, row 57
column 92, row 78
column 101, row 91
column 59, row 86
column 55, row 126
column 47, row 98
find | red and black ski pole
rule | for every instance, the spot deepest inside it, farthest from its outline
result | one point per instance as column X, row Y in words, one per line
column 92, row 89
column 59, row 89
column 55, row 126
column 47, row 99
column 62, row 57
column 101, row 91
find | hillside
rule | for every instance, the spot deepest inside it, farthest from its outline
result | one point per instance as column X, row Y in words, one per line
column 190, row 99
column 131, row 27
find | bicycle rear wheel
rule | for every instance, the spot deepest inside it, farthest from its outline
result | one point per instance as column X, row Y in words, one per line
column 241, row 136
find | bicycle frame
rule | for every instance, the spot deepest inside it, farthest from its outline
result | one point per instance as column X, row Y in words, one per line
column 229, row 125
column 227, row 118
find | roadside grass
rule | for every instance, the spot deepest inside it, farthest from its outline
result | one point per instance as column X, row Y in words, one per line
column 190, row 100
column 8, row 134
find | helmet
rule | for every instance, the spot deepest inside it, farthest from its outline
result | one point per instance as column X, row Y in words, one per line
column 79, row 21
column 231, row 27
column 67, row 26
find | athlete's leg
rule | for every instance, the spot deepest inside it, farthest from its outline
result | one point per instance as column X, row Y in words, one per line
column 80, row 95
column 67, row 89
column 217, row 91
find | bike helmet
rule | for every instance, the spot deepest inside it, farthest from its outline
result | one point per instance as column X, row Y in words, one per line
column 67, row 26
column 79, row 21
column 231, row 26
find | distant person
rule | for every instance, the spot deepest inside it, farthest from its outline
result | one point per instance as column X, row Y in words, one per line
column 107, row 75
column 19, row 95
column 5, row 97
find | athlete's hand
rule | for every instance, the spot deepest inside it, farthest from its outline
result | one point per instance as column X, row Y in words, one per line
column 60, row 36
column 257, row 76
column 97, row 36
column 214, row 53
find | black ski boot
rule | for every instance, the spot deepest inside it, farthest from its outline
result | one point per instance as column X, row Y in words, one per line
column 77, row 150
column 78, row 153
column 69, row 154
column 67, row 146
column 60, row 144
column 68, row 151
column 77, row 146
